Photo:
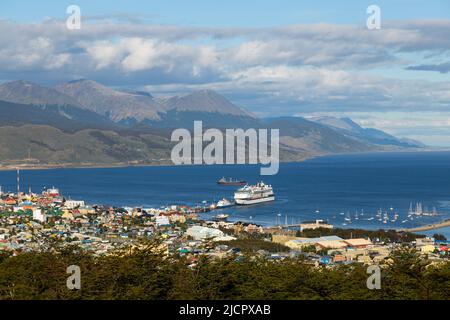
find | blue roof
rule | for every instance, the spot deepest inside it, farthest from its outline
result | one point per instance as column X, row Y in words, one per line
column 333, row 238
column 309, row 240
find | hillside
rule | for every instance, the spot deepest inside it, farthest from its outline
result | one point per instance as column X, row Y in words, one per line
column 25, row 92
column 348, row 127
column 84, row 122
column 117, row 105
column 64, row 117
column 35, row 144
column 302, row 136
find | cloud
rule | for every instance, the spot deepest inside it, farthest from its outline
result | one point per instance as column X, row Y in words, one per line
column 279, row 70
column 440, row 67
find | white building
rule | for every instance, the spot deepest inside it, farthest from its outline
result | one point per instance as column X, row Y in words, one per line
column 200, row 233
column 162, row 221
column 72, row 204
column 38, row 215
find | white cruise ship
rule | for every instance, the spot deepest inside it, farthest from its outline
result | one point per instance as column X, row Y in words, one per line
column 258, row 193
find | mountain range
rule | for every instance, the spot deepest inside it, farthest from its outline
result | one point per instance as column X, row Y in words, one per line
column 85, row 122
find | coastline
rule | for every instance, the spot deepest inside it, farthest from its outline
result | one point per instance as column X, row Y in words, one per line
column 12, row 167
column 168, row 163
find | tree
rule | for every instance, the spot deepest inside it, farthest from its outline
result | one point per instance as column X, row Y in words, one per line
column 439, row 237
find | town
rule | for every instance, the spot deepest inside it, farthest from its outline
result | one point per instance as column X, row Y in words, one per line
column 31, row 222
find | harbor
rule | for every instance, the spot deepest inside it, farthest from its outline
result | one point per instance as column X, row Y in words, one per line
column 321, row 188
column 35, row 220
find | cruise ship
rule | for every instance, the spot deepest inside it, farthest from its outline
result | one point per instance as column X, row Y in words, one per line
column 258, row 193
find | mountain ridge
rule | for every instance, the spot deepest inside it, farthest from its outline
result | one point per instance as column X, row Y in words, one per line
column 347, row 126
column 123, row 122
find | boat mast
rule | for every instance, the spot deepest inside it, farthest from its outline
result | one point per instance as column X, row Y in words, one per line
column 18, row 182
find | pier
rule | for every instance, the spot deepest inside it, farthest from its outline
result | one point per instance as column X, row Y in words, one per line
column 443, row 224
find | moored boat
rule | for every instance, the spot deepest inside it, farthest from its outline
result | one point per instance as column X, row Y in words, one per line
column 230, row 182
column 221, row 217
column 224, row 203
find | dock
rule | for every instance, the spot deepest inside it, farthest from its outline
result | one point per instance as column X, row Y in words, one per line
column 443, row 224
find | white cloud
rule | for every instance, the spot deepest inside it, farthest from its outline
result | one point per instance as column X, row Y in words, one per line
column 287, row 70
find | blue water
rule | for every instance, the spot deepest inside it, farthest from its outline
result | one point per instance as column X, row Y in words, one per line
column 330, row 185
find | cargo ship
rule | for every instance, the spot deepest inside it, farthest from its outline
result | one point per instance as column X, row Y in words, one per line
column 254, row 194
column 230, row 182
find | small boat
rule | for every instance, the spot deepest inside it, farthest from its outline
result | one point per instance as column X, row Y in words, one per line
column 224, row 203
column 230, row 182
column 221, row 217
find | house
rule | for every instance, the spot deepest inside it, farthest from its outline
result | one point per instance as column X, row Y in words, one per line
column 330, row 244
column 299, row 243
column 429, row 248
column 359, row 243
column 72, row 204
column 38, row 215
column 162, row 220
column 339, row 257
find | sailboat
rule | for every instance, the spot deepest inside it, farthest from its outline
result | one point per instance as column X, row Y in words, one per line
column 395, row 217
column 348, row 218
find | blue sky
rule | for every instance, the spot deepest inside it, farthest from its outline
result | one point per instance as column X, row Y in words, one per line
column 285, row 57
column 232, row 12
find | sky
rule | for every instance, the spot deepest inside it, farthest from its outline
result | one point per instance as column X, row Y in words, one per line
column 285, row 57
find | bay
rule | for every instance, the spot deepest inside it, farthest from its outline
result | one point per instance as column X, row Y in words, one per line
column 320, row 188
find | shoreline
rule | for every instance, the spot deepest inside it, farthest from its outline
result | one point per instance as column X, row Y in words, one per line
column 11, row 167
column 169, row 163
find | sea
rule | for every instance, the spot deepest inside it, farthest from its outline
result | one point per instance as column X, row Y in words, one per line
column 336, row 188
